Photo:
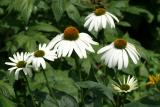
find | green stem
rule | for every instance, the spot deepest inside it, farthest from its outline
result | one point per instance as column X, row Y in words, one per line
column 80, row 79
column 30, row 92
column 49, row 88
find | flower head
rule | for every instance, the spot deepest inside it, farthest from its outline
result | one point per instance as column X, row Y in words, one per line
column 44, row 52
column 20, row 62
column 127, row 85
column 154, row 79
column 99, row 19
column 116, row 54
column 71, row 40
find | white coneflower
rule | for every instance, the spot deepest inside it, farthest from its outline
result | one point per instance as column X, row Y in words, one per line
column 116, row 54
column 127, row 85
column 20, row 62
column 44, row 52
column 71, row 40
column 99, row 19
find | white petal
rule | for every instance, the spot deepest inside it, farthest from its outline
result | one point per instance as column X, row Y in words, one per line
column 43, row 63
column 82, row 48
column 120, row 60
column 10, row 63
column 71, row 48
column 132, row 56
column 92, row 24
column 18, row 56
column 77, row 50
column 15, row 57
column 87, row 39
column 54, row 41
column 87, row 46
column 107, row 55
column 110, row 65
column 106, row 48
column 104, row 22
column 88, row 21
column 13, row 60
column 111, row 21
column 125, row 58
column 12, row 68
column 115, row 58
column 60, row 47
column 90, row 15
column 67, row 48
column 113, row 16
column 17, row 73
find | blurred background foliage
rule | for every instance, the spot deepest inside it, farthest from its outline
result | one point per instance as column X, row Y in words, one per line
column 26, row 23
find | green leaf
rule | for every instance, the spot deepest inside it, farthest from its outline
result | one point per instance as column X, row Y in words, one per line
column 86, row 65
column 124, row 24
column 143, row 71
column 44, row 27
column 4, row 102
column 6, row 90
column 97, row 88
column 66, row 100
column 73, row 13
column 140, row 11
column 58, row 7
column 49, row 102
column 25, row 8
column 65, row 84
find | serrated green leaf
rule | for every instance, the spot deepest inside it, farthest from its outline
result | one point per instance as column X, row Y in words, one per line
column 25, row 8
column 44, row 27
column 86, row 65
column 58, row 7
column 124, row 23
column 49, row 102
column 138, row 11
column 73, row 13
column 97, row 88
column 65, row 84
column 4, row 102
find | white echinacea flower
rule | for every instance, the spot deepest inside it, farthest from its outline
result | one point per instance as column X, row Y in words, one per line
column 117, row 54
column 126, row 85
column 38, row 57
column 99, row 19
column 20, row 62
column 71, row 40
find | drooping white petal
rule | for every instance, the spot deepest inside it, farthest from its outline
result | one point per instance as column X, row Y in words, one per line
column 113, row 16
column 82, row 48
column 77, row 50
column 54, row 41
column 120, row 60
column 17, row 73
column 106, row 48
column 132, row 56
column 91, row 26
column 115, row 58
column 88, row 21
column 103, row 21
column 71, row 48
column 125, row 58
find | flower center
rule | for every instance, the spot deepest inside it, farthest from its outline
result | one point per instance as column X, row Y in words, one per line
column 99, row 11
column 120, row 44
column 71, row 33
column 21, row 64
column 39, row 53
column 125, row 87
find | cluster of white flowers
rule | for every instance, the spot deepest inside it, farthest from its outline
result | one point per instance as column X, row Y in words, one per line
column 116, row 55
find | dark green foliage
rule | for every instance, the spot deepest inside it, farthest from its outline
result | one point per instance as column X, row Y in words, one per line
column 26, row 23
